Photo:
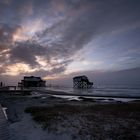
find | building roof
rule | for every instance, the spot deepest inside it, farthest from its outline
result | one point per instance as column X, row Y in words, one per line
column 83, row 76
column 32, row 78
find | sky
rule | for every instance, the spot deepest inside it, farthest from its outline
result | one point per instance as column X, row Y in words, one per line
column 57, row 39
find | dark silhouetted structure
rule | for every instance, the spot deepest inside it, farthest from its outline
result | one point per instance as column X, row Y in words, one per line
column 81, row 82
column 32, row 81
column 1, row 84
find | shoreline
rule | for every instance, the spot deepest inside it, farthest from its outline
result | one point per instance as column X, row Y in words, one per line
column 65, row 93
column 70, row 119
column 104, row 98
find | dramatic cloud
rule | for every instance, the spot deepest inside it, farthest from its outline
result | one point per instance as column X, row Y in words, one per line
column 46, row 37
column 6, row 35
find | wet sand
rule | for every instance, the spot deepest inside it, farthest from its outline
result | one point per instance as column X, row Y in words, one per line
column 51, row 118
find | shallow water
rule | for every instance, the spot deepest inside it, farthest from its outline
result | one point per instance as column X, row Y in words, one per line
column 102, row 90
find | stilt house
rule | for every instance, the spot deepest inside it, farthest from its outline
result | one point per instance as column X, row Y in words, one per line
column 32, row 81
column 81, row 82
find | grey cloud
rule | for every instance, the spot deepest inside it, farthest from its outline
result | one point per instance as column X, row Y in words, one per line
column 6, row 35
column 99, row 18
column 44, row 73
column 6, row 42
column 2, row 69
column 26, row 52
column 83, row 21
column 3, row 6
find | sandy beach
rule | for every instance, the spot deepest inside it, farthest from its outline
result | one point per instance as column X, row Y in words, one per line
column 52, row 118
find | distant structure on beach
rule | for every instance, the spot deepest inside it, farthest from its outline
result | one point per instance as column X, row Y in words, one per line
column 1, row 84
column 32, row 81
column 81, row 82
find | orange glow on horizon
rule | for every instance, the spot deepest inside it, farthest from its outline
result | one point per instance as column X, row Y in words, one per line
column 18, row 68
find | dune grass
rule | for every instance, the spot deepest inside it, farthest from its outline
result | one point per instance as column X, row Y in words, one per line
column 116, row 121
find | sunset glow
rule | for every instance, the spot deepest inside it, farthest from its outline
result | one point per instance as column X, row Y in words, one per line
column 18, row 68
column 58, row 38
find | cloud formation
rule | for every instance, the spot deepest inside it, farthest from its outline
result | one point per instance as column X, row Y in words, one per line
column 6, row 35
column 43, row 36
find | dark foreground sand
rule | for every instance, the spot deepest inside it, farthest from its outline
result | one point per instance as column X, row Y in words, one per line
column 50, row 118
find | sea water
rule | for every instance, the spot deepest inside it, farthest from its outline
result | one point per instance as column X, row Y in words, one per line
column 103, row 90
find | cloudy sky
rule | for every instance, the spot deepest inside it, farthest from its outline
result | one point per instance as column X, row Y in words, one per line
column 55, row 38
